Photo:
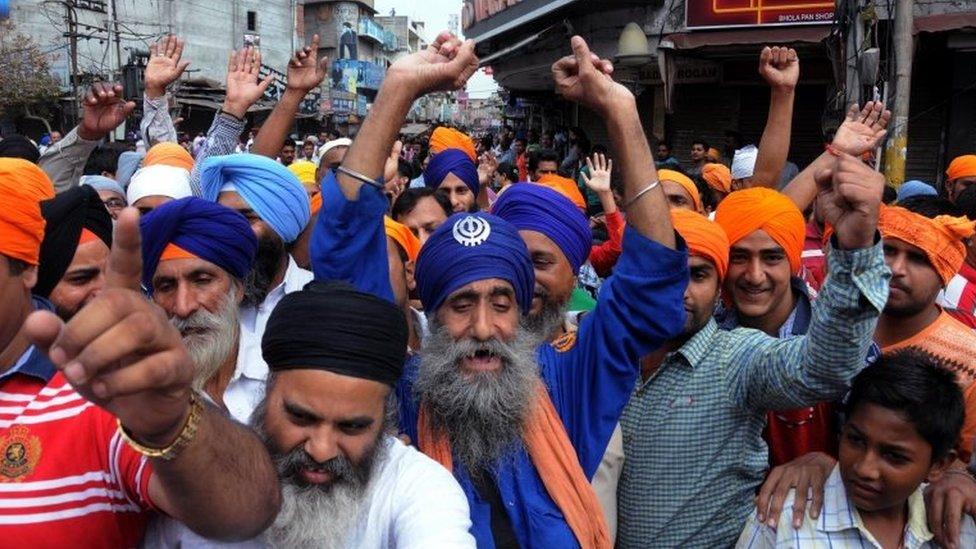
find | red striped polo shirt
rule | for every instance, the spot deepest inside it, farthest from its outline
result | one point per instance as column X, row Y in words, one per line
column 960, row 293
column 67, row 479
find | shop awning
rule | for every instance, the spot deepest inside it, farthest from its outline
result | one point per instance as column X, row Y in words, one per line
column 413, row 130
column 777, row 35
column 944, row 22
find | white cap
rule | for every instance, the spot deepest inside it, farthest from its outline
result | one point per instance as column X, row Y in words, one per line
column 329, row 145
column 744, row 162
column 159, row 180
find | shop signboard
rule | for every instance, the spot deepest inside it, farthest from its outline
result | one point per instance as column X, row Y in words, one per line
column 705, row 14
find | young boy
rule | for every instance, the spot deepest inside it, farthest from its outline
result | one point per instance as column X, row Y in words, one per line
column 904, row 414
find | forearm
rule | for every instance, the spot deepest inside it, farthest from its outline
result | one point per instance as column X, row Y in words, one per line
column 275, row 130
column 607, row 202
column 802, row 190
column 65, row 161
column 222, row 138
column 223, row 485
column 157, row 125
column 368, row 152
column 775, row 143
column 649, row 215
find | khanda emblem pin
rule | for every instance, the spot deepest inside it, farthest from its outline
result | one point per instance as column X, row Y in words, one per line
column 471, row 231
column 19, row 453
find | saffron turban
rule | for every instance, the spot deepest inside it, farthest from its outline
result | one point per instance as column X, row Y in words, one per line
column 304, row 171
column 451, row 161
column 449, row 138
column 333, row 327
column 564, row 186
column 686, row 183
column 704, row 237
column 744, row 162
column 102, row 183
column 402, row 235
column 272, row 191
column 193, row 227
column 537, row 208
column 915, row 187
column 942, row 238
column 68, row 215
column 169, row 154
column 23, row 186
column 962, row 166
column 18, row 146
column 471, row 247
column 746, row 211
column 717, row 176
column 158, row 181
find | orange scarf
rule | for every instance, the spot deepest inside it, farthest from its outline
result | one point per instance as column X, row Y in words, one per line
column 555, row 459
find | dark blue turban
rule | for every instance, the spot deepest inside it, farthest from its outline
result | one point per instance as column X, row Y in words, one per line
column 453, row 161
column 538, row 208
column 208, row 230
column 469, row 247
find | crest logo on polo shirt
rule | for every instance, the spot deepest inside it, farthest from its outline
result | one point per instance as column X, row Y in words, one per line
column 471, row 231
column 19, row 454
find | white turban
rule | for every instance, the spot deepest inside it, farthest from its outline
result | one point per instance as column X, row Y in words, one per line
column 341, row 142
column 744, row 162
column 159, row 180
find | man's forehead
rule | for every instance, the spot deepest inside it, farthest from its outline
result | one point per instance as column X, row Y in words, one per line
column 233, row 200
column 757, row 241
column 906, row 246
column 186, row 266
column 329, row 394
column 484, row 287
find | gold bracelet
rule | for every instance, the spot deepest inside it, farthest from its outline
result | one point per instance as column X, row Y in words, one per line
column 187, row 433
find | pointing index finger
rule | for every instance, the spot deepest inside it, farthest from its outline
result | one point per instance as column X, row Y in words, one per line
column 124, row 269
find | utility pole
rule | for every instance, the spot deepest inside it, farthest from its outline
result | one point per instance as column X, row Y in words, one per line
column 898, row 136
column 72, row 35
column 118, row 47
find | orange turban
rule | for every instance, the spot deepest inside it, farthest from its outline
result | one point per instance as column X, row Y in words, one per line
column 942, row 238
column 713, row 155
column 172, row 251
column 564, row 186
column 304, row 171
column 449, row 138
column 686, row 183
column 704, row 237
column 23, row 186
column 962, row 166
column 402, row 235
column 718, row 177
column 746, row 211
column 316, row 203
column 168, row 154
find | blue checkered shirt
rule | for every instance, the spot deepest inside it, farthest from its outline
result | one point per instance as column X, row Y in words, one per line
column 839, row 525
column 693, row 431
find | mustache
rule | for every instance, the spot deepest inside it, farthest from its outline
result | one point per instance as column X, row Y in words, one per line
column 201, row 319
column 293, row 463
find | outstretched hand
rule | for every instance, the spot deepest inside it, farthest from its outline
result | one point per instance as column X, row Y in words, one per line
column 243, row 85
column 779, row 67
column 600, row 168
column 305, row 70
column 165, row 65
column 586, row 79
column 850, row 200
column 120, row 351
column 863, row 129
column 104, row 110
column 445, row 65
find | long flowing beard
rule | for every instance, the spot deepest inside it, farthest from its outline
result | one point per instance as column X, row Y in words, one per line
column 210, row 337
column 482, row 413
column 257, row 283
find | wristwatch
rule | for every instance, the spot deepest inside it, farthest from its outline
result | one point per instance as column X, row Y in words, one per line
column 187, row 433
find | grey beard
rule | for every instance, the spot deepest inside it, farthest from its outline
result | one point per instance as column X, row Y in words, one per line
column 210, row 349
column 550, row 318
column 481, row 413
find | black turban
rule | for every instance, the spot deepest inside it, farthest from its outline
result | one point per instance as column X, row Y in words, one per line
column 18, row 146
column 331, row 326
column 66, row 214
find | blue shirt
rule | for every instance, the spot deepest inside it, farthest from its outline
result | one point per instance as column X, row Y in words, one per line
column 639, row 308
column 33, row 362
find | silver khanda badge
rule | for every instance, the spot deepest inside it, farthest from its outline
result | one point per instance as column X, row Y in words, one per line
column 471, row 231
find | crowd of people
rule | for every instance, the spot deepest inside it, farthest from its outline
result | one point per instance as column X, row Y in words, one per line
column 521, row 339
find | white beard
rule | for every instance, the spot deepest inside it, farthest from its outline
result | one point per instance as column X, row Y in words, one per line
column 311, row 518
column 210, row 350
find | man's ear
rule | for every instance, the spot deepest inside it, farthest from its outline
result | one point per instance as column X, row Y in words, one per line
column 939, row 467
column 239, row 285
column 408, row 271
column 29, row 276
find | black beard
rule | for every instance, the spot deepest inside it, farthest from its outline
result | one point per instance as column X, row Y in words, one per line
column 257, row 283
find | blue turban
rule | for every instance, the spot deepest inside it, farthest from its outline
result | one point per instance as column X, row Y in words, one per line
column 469, row 247
column 453, row 161
column 102, row 183
column 272, row 191
column 129, row 163
column 538, row 208
column 210, row 231
column 914, row 188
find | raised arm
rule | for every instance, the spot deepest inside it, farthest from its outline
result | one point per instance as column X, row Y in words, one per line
column 165, row 67
column 861, row 132
column 121, row 353
column 104, row 110
column 604, row 256
column 780, row 68
column 305, row 73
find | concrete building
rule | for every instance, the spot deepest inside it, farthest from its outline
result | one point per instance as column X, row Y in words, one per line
column 709, row 52
column 409, row 33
